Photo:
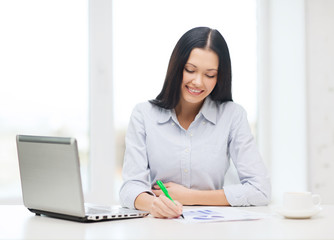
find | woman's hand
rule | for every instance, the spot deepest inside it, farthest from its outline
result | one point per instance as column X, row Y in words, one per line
column 176, row 191
column 159, row 207
column 163, row 207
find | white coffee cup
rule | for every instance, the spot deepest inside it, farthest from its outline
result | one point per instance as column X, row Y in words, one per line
column 300, row 201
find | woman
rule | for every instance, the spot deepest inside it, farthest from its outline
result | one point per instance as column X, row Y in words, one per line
column 187, row 135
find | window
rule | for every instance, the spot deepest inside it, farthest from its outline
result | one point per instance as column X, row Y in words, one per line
column 44, row 79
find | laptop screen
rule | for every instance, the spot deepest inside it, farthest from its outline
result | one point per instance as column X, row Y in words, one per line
column 50, row 174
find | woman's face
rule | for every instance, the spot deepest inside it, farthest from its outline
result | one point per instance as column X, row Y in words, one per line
column 199, row 75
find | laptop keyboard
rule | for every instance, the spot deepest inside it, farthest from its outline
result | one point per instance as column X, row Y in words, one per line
column 97, row 211
column 101, row 211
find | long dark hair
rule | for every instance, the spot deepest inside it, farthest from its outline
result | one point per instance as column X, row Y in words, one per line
column 204, row 38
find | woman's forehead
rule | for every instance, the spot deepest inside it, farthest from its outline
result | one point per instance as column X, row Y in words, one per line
column 203, row 58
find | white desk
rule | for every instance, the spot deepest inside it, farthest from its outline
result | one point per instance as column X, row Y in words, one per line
column 16, row 222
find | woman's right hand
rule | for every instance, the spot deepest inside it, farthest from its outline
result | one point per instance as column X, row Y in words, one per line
column 163, row 207
column 159, row 207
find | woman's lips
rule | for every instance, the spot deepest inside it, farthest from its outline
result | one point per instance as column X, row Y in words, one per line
column 194, row 91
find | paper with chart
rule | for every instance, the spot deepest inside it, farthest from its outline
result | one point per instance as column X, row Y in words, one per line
column 218, row 214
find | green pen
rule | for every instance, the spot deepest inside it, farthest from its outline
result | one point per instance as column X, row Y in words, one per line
column 164, row 189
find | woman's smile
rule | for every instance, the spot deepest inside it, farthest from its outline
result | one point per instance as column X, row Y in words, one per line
column 194, row 91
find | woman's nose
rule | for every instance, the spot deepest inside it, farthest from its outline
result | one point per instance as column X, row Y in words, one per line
column 198, row 80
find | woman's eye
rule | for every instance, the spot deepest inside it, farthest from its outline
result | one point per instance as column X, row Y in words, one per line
column 210, row 76
column 189, row 71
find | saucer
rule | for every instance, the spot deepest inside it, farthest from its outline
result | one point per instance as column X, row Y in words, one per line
column 298, row 214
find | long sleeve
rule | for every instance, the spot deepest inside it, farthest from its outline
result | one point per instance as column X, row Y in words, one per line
column 136, row 173
column 255, row 187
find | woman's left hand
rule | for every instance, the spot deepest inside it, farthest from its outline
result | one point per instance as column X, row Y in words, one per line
column 176, row 191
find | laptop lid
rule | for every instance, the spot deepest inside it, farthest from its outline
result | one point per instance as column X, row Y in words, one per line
column 50, row 174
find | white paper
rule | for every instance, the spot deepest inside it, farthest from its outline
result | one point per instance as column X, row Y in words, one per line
column 218, row 214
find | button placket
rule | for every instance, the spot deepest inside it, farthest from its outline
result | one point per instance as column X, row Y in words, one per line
column 187, row 167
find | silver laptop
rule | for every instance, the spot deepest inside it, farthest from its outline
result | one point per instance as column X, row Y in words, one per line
column 51, row 181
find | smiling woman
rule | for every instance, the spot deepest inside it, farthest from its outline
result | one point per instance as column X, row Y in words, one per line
column 145, row 33
column 171, row 137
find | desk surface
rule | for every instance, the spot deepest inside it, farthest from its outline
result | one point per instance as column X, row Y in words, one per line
column 16, row 222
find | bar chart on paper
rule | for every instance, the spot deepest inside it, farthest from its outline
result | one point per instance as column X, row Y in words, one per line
column 215, row 214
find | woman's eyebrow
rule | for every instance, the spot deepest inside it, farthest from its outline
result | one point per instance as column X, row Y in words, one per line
column 191, row 64
column 212, row 69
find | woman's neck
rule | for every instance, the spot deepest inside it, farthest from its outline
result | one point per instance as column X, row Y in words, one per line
column 186, row 113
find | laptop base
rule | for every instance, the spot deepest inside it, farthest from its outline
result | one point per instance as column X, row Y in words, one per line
column 78, row 219
column 60, row 216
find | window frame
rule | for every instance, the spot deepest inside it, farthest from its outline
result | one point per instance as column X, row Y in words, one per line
column 101, row 127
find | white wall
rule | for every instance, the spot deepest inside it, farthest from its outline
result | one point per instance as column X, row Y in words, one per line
column 320, row 96
column 296, row 96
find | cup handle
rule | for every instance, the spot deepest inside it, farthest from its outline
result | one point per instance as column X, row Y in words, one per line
column 316, row 199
